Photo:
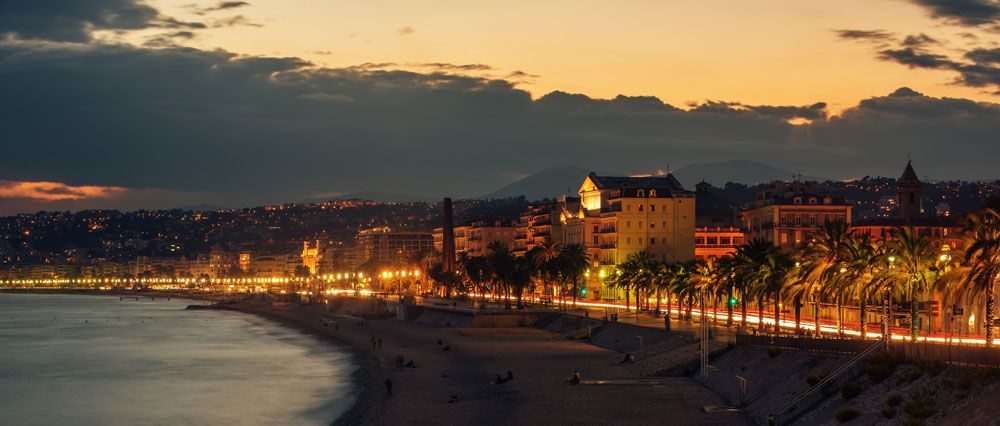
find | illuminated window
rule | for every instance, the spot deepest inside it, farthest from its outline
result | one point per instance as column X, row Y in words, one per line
column 652, row 225
column 640, row 207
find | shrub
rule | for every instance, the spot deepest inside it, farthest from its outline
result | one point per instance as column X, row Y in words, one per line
column 913, row 374
column 913, row 421
column 888, row 412
column 812, row 379
column 920, row 407
column 847, row 414
column 881, row 365
column 850, row 389
column 894, row 399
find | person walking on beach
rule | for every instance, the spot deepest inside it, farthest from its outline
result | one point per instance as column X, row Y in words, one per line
column 388, row 386
column 379, row 343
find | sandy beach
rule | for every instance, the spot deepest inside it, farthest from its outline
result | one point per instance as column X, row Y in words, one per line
column 539, row 393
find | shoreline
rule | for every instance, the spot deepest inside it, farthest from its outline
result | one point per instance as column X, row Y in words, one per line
column 364, row 379
column 540, row 361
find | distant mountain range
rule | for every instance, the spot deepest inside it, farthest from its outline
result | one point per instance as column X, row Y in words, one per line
column 738, row 171
column 548, row 183
column 377, row 196
column 566, row 180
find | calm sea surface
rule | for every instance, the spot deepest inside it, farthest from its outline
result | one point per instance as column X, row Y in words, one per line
column 95, row 360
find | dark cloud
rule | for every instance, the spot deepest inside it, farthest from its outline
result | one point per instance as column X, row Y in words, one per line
column 919, row 40
column 169, row 39
column 984, row 56
column 454, row 67
column 74, row 21
column 225, row 5
column 521, row 74
column 915, row 58
column 234, row 21
column 815, row 111
column 963, row 12
column 240, row 130
column 871, row 35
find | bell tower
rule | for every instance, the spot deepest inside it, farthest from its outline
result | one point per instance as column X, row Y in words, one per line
column 908, row 194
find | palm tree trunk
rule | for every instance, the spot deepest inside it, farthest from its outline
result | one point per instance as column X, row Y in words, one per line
column 626, row 299
column 989, row 314
column 760, row 313
column 840, row 315
column 798, row 314
column 687, row 312
column 743, row 307
column 887, row 318
column 729, row 309
column 777, row 312
column 864, row 317
column 816, row 315
column 657, row 302
column 574, row 291
column 914, row 318
column 715, row 309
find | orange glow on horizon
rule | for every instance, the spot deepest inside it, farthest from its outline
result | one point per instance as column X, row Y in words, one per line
column 53, row 191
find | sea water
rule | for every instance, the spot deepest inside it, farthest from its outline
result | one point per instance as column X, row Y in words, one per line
column 98, row 360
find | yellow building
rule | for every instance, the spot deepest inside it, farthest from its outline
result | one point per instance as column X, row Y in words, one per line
column 621, row 216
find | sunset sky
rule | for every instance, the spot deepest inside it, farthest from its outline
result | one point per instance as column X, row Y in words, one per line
column 156, row 104
column 767, row 52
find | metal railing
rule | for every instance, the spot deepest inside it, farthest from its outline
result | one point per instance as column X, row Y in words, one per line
column 828, row 379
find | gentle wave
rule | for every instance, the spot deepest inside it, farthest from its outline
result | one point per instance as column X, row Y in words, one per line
column 96, row 360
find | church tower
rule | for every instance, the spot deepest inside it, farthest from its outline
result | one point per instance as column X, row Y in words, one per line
column 908, row 190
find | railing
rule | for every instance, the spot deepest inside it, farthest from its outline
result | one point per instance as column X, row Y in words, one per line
column 827, row 380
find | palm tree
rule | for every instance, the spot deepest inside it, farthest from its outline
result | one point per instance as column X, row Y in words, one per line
column 866, row 272
column 575, row 262
column 983, row 258
column 823, row 257
column 913, row 257
column 478, row 270
column 502, row 264
column 546, row 257
column 522, row 269
column 774, row 271
column 642, row 277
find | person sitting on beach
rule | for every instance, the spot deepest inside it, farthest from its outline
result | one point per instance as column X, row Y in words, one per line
column 510, row 375
column 453, row 398
column 446, row 348
column 499, row 380
column 439, row 342
column 628, row 358
column 411, row 364
column 575, row 380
